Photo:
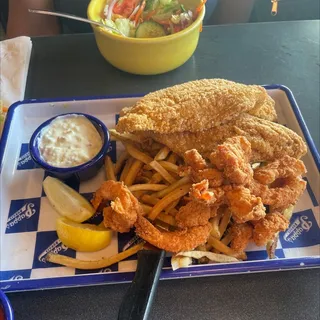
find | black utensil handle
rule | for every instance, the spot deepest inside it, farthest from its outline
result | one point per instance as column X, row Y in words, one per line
column 137, row 302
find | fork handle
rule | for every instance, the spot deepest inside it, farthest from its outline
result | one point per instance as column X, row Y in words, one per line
column 137, row 302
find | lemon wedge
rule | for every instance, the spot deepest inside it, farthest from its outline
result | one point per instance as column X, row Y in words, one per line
column 68, row 202
column 82, row 237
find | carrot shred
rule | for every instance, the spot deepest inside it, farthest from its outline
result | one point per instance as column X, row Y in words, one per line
column 199, row 8
column 139, row 13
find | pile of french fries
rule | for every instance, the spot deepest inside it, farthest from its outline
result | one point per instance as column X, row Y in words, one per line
column 152, row 177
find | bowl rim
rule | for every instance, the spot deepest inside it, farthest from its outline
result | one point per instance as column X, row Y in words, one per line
column 118, row 37
column 81, row 167
column 6, row 306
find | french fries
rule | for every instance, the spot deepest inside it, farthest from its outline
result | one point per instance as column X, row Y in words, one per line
column 215, row 232
column 169, row 166
column 147, row 186
column 162, row 154
column 146, row 208
column 120, row 162
column 227, row 238
column 109, row 167
column 132, row 173
column 226, row 216
column 126, row 169
column 163, row 172
column 164, row 202
column 96, row 264
column 177, row 184
column 221, row 247
column 156, row 178
column 167, row 219
column 137, row 154
column 173, row 158
column 149, row 199
column 171, row 206
column 115, row 135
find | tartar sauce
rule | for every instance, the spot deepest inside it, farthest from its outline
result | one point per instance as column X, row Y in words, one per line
column 69, row 141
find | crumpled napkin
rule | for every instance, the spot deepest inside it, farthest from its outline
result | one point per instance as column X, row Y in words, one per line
column 14, row 65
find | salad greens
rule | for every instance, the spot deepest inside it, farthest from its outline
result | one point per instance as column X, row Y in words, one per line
column 150, row 18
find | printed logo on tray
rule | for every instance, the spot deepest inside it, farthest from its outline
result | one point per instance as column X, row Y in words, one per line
column 25, row 161
column 302, row 232
column 123, row 239
column 23, row 215
column 49, row 242
column 14, row 275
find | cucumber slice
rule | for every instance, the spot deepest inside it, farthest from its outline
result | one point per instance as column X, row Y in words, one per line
column 150, row 29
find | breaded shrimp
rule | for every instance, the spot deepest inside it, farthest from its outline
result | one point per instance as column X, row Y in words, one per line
column 244, row 205
column 232, row 157
column 124, row 207
column 175, row 241
column 193, row 214
column 241, row 235
column 267, row 228
column 281, row 168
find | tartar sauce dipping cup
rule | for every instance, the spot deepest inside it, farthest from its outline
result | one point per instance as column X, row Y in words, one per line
column 6, row 311
column 83, row 171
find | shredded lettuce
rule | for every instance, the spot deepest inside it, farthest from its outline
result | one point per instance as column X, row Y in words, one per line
column 109, row 23
column 165, row 2
column 123, row 25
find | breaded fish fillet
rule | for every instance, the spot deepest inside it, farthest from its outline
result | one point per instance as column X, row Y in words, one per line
column 265, row 111
column 269, row 140
column 195, row 105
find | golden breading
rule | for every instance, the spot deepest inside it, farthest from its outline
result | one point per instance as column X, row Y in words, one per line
column 241, row 235
column 194, row 106
column 266, row 229
column 269, row 140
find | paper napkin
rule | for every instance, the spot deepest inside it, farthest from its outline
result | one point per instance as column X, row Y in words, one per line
column 14, row 64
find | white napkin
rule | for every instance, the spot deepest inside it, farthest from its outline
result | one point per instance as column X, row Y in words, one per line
column 14, row 64
column 15, row 57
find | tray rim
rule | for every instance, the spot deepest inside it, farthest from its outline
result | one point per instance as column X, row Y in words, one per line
column 122, row 277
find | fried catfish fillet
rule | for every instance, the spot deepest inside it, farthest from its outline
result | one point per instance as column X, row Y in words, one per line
column 269, row 140
column 194, row 106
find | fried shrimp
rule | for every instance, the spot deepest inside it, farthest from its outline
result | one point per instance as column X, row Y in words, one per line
column 282, row 168
column 175, row 241
column 214, row 176
column 201, row 192
column 193, row 214
column 267, row 228
column 124, row 207
column 241, row 235
column 194, row 159
column 232, row 157
column 244, row 205
column 281, row 194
